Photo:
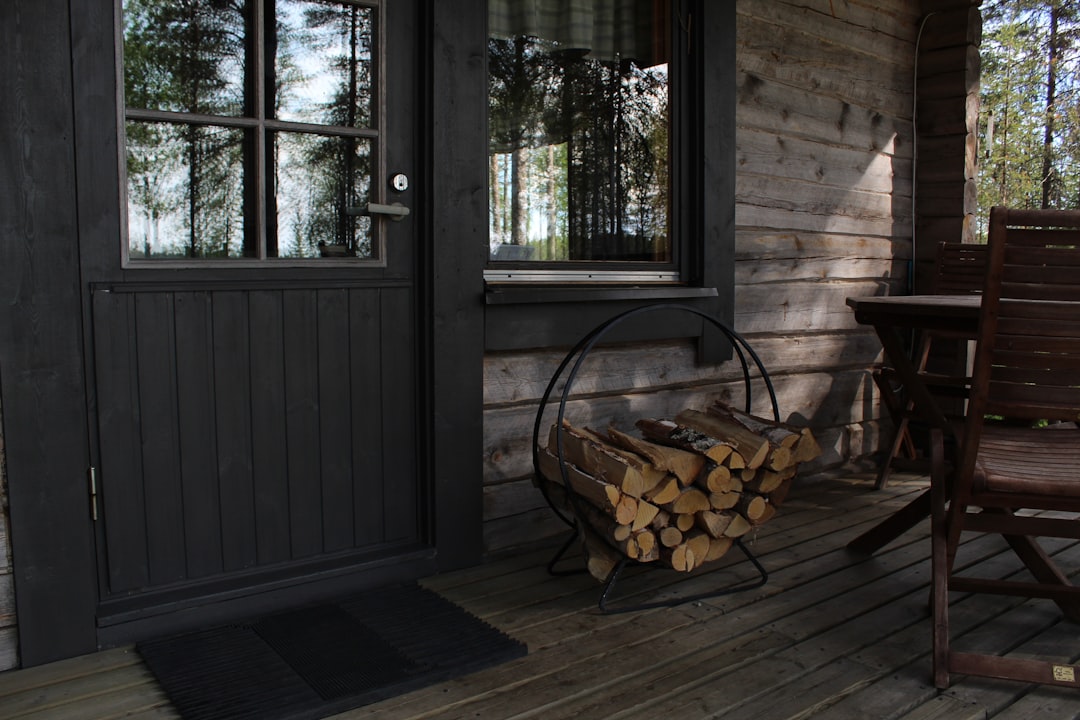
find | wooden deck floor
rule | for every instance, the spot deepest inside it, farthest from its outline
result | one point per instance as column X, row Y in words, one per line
column 832, row 635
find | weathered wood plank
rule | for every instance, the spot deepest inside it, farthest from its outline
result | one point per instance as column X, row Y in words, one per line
column 365, row 316
column 825, row 58
column 604, row 639
column 9, row 647
column 830, row 635
column 158, row 433
column 117, row 386
column 232, row 391
column 765, row 201
column 62, row 671
column 335, row 420
column 511, row 378
column 86, row 694
column 761, row 245
column 269, row 431
column 798, row 112
column 517, row 516
column 819, row 399
column 198, row 433
column 804, row 306
column 300, row 350
column 764, row 153
column 870, row 28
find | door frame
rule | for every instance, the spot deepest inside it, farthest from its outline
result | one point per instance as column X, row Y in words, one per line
column 54, row 578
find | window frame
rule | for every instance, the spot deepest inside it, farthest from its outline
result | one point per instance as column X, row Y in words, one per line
column 261, row 126
column 520, row 315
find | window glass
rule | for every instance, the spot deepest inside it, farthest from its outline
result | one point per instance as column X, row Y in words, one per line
column 245, row 142
column 185, row 191
column 185, row 56
column 320, row 179
column 324, row 64
column 579, row 123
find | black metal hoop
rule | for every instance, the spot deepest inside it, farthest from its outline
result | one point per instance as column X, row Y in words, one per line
column 581, row 350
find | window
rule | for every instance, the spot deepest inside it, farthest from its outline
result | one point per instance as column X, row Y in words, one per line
column 580, row 140
column 611, row 167
column 251, row 128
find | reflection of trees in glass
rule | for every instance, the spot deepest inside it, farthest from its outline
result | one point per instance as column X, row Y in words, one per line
column 579, row 154
column 336, row 169
column 190, row 90
column 311, row 212
column 182, row 56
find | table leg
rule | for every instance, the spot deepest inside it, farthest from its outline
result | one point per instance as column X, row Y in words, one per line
column 893, row 526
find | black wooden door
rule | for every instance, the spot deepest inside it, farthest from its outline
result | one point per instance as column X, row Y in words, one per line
column 256, row 415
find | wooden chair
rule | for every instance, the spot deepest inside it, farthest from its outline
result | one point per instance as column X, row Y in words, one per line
column 961, row 269
column 1027, row 373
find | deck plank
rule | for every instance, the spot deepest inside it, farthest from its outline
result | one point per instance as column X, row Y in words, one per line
column 832, row 636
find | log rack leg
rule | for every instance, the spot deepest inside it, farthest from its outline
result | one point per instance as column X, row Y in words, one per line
column 609, row 585
column 563, row 549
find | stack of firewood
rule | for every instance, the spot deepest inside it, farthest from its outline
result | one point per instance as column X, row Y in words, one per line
column 680, row 494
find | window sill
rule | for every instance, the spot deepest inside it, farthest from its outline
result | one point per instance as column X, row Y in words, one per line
column 506, row 294
column 528, row 317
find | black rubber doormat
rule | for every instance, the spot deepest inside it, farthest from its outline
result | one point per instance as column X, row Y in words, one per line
column 321, row 660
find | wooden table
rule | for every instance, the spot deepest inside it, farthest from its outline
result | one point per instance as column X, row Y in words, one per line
column 957, row 315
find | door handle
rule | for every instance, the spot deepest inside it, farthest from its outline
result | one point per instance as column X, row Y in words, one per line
column 395, row 212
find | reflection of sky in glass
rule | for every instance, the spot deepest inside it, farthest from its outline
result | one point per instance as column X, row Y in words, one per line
column 311, row 194
column 641, row 97
column 313, row 62
column 323, row 72
column 203, row 73
column 161, row 187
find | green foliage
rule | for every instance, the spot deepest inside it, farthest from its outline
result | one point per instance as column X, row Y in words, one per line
column 193, row 167
column 579, row 152
column 1029, row 123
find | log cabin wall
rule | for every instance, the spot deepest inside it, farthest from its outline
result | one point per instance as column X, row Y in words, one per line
column 9, row 642
column 948, row 113
column 823, row 212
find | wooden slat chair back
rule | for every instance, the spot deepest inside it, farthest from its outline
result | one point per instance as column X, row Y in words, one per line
column 960, row 270
column 1027, row 373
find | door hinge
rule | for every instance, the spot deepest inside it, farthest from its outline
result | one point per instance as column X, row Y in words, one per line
column 93, row 494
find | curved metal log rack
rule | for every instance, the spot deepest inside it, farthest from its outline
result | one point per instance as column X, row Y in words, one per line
column 580, row 352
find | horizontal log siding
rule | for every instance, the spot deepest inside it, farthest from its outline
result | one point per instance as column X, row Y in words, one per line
column 9, row 641
column 823, row 212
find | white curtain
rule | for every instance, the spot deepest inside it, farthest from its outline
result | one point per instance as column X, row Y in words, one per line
column 606, row 29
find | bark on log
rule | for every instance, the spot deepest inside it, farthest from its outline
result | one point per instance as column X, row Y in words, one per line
column 682, row 464
column 670, row 433
column 753, row 447
column 600, row 494
column 752, row 507
column 680, row 496
column 790, row 444
column 650, row 474
column 600, row 460
column 775, row 432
